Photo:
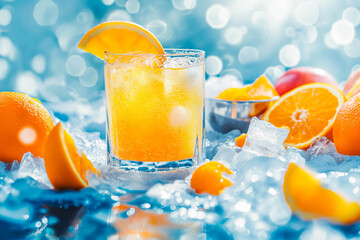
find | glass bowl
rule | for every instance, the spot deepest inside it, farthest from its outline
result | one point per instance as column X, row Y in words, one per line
column 224, row 116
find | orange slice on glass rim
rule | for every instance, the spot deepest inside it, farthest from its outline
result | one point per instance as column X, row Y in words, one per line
column 309, row 111
column 119, row 37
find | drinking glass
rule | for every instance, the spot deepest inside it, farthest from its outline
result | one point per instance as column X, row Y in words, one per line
column 155, row 109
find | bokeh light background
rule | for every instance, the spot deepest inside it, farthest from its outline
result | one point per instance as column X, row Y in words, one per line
column 242, row 38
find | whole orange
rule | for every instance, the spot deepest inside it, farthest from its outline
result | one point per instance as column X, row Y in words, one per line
column 346, row 131
column 24, row 126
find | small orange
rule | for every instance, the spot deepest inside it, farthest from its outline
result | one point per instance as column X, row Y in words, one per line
column 65, row 165
column 24, row 126
column 309, row 111
column 119, row 37
column 310, row 200
column 240, row 140
column 208, row 178
column 346, row 131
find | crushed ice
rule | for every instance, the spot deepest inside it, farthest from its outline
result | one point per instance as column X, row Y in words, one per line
column 253, row 208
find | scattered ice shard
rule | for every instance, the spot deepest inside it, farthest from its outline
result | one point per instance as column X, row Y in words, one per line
column 323, row 157
column 34, row 167
column 323, row 146
column 265, row 139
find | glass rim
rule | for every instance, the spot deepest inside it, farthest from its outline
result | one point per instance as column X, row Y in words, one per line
column 168, row 53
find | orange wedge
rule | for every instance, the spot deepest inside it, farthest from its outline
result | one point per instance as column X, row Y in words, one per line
column 310, row 200
column 235, row 94
column 261, row 89
column 208, row 178
column 119, row 37
column 65, row 165
column 309, row 111
column 240, row 140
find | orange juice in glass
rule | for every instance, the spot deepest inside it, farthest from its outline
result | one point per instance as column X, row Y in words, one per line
column 155, row 109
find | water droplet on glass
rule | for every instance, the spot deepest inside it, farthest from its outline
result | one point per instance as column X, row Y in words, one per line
column 213, row 65
column 342, row 32
column 46, row 13
column 248, row 55
column 307, row 13
column 217, row 16
column 290, row 55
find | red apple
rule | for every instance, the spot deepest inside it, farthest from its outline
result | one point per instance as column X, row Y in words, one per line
column 297, row 77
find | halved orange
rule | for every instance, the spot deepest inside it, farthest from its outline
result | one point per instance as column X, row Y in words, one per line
column 65, row 165
column 119, row 37
column 310, row 200
column 309, row 111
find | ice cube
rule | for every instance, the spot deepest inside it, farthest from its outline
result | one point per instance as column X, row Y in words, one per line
column 226, row 155
column 179, row 117
column 263, row 138
column 34, row 167
column 216, row 140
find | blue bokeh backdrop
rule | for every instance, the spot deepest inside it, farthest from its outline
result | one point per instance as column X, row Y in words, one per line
column 39, row 54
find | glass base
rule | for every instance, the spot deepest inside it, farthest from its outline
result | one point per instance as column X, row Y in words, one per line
column 128, row 165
